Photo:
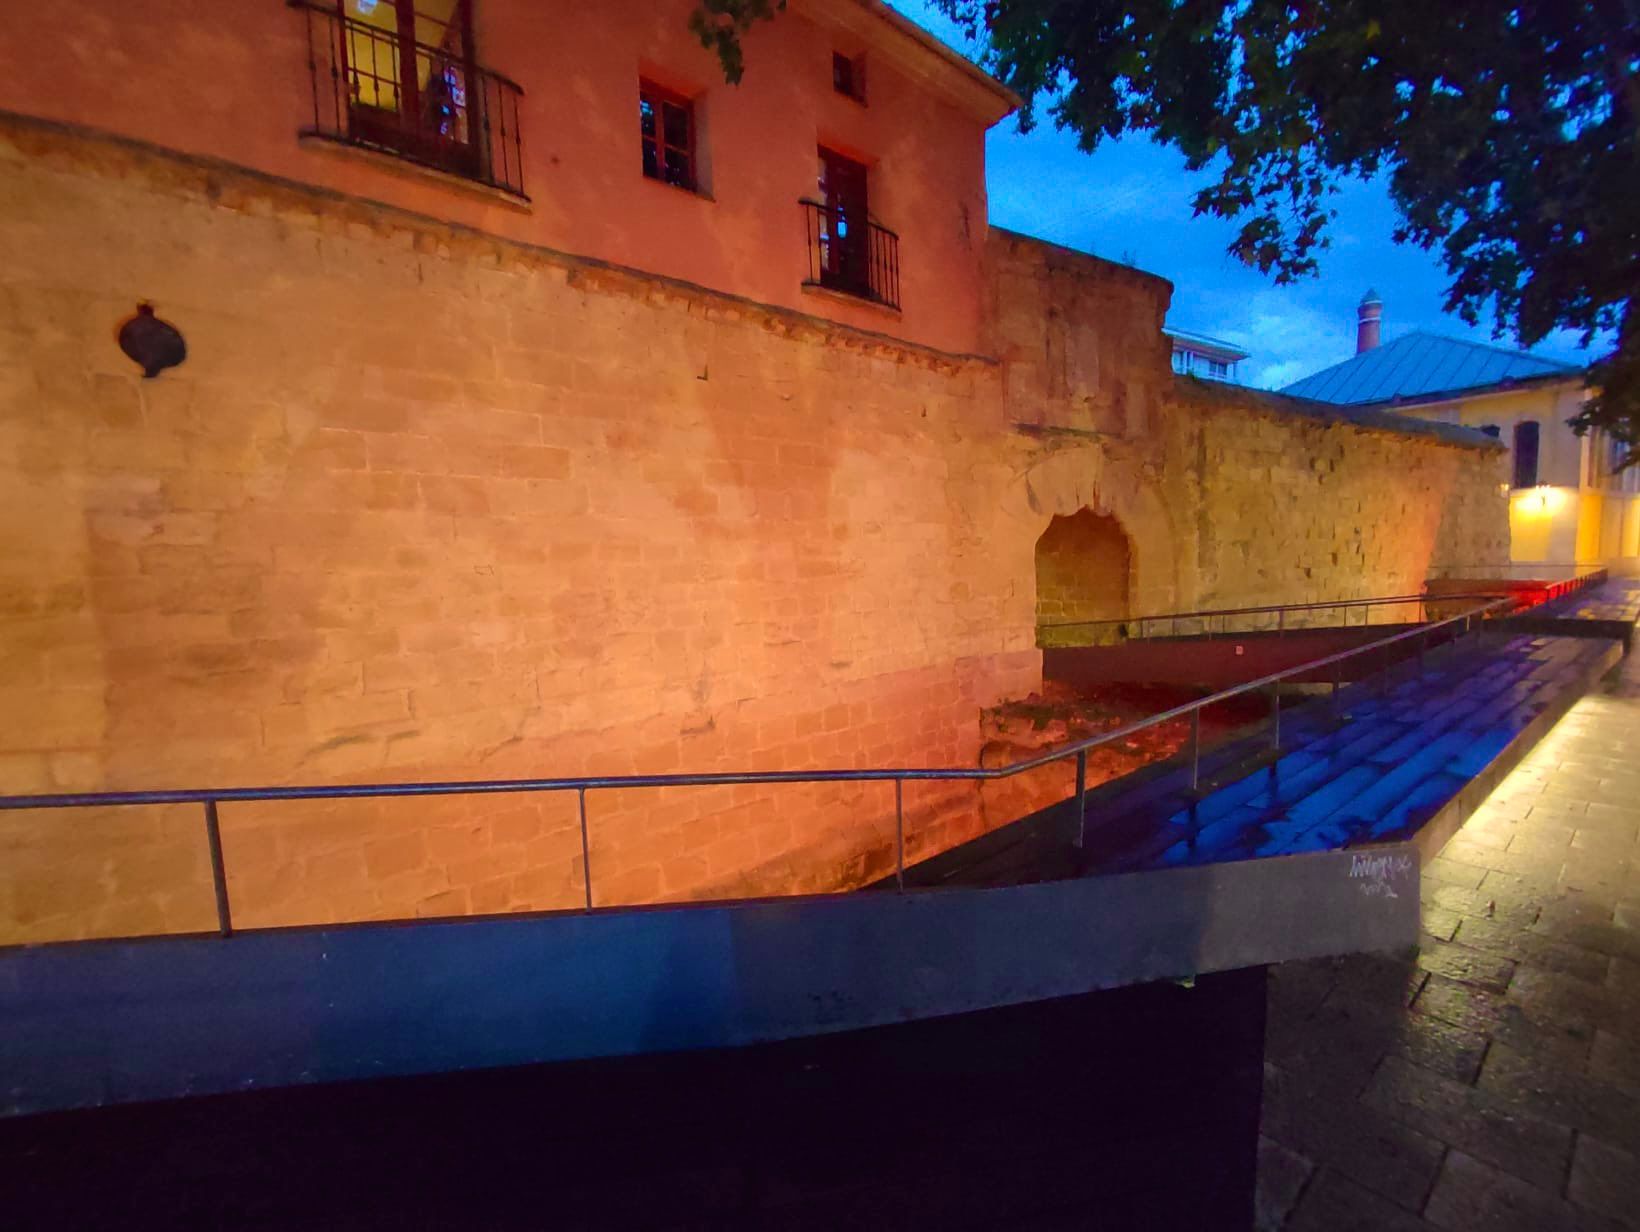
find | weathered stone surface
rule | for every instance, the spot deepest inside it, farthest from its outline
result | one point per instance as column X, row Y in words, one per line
column 1466, row 965
column 1472, row 1197
column 1386, row 1156
column 1523, row 1146
column 1281, row 1177
column 1334, row 1203
column 426, row 504
column 1535, row 1098
column 1603, row 1180
column 1562, row 1095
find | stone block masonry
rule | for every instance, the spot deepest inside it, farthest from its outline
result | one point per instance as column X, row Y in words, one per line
column 426, row 504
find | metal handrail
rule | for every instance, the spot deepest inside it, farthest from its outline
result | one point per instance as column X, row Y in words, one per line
column 870, row 217
column 1249, row 611
column 211, row 798
column 1584, row 574
column 1532, row 572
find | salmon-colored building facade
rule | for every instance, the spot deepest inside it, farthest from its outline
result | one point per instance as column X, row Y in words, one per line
column 269, row 86
column 552, row 408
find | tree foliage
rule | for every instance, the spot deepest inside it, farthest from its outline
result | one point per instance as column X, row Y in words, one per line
column 1509, row 132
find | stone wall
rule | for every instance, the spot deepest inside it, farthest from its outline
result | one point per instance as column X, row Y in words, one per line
column 1083, row 573
column 1312, row 507
column 422, row 504
column 1231, row 497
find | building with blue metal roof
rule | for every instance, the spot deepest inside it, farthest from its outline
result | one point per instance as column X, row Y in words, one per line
column 1568, row 504
column 1419, row 366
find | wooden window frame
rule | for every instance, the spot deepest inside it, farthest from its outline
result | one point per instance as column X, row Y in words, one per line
column 846, row 265
column 406, row 130
column 660, row 97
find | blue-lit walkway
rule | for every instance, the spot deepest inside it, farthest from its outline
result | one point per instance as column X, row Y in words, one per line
column 1491, row 1080
column 1398, row 755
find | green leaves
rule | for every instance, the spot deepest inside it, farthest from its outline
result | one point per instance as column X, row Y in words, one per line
column 719, row 25
column 1510, row 133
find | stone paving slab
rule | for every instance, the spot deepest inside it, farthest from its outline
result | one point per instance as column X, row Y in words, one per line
column 1490, row 1081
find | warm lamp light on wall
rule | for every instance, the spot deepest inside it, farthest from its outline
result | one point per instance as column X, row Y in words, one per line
column 1540, row 501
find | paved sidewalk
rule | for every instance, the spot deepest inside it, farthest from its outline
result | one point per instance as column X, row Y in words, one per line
column 1491, row 1081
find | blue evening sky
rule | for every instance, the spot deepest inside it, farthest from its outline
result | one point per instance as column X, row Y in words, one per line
column 1130, row 201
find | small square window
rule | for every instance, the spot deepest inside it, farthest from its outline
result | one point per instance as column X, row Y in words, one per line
column 666, row 127
column 848, row 76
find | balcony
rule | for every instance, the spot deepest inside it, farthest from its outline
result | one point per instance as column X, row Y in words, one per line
column 851, row 256
column 424, row 104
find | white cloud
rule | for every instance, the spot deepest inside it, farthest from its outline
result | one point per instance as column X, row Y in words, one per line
column 1275, row 376
column 1286, row 338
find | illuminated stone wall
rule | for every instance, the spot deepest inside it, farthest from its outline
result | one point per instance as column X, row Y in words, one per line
column 1318, row 511
column 422, row 504
column 1083, row 571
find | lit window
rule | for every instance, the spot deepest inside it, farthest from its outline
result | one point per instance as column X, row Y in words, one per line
column 400, row 77
column 667, row 125
column 407, row 74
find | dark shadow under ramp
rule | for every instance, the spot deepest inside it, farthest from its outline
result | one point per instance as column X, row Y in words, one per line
column 1130, row 1109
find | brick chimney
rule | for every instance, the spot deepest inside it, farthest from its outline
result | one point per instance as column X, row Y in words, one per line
column 1368, row 317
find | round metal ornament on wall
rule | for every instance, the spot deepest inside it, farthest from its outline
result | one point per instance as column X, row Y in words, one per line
column 154, row 345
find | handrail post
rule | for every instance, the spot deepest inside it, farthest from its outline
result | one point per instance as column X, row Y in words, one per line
column 219, row 878
column 899, row 834
column 1275, row 715
column 586, row 853
column 1081, row 797
column 1195, row 747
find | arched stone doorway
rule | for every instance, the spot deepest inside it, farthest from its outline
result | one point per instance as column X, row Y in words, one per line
column 1084, row 572
column 1161, row 574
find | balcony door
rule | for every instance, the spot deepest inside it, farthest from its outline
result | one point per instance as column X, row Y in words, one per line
column 844, row 229
column 409, row 72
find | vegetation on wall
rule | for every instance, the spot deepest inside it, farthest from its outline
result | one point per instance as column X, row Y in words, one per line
column 1507, row 130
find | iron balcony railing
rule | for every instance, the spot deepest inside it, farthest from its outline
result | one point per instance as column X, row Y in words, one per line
column 418, row 102
column 853, row 255
column 211, row 799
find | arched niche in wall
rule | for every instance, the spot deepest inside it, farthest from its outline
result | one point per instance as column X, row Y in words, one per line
column 1084, row 578
column 1089, row 480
